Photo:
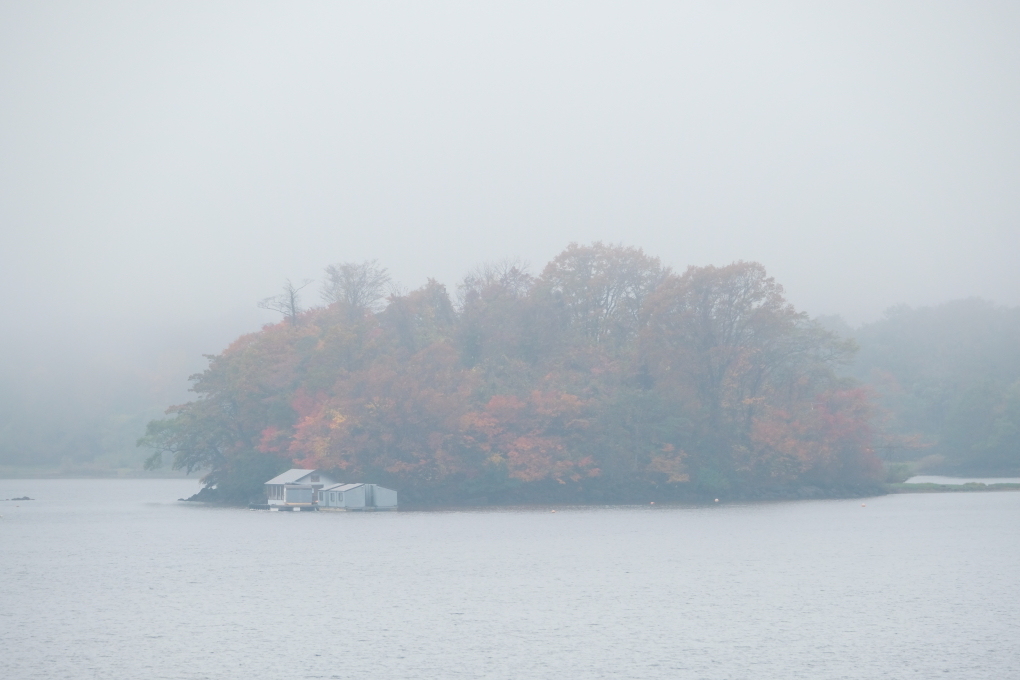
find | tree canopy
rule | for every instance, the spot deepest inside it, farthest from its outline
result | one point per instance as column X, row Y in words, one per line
column 605, row 378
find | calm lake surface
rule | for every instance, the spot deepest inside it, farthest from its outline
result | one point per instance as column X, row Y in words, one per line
column 114, row 579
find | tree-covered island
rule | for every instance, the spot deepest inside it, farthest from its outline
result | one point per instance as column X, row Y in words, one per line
column 605, row 378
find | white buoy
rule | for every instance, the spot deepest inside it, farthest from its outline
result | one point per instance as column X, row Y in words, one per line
column 716, row 500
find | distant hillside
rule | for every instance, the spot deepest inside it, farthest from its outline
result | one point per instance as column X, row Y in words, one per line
column 948, row 380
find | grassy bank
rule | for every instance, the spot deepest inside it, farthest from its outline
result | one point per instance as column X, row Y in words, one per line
column 949, row 488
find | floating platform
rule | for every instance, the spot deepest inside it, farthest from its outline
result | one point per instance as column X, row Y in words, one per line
column 373, row 509
column 312, row 508
column 283, row 508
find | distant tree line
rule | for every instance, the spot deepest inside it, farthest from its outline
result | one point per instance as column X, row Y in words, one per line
column 947, row 385
column 606, row 377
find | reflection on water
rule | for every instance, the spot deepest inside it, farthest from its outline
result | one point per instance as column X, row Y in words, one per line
column 113, row 579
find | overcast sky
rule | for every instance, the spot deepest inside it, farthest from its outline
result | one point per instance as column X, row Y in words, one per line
column 165, row 165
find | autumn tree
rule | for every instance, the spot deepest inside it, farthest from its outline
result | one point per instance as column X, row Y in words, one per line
column 421, row 317
column 602, row 288
column 536, row 437
column 494, row 299
column 243, row 391
column 396, row 421
column 733, row 348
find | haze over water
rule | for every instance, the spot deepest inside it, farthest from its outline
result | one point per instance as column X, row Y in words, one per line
column 114, row 579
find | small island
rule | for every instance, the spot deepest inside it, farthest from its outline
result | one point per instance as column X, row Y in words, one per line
column 606, row 378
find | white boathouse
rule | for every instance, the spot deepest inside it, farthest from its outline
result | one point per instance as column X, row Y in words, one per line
column 296, row 488
column 357, row 497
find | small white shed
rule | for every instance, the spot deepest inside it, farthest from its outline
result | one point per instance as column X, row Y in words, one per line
column 296, row 487
column 357, row 497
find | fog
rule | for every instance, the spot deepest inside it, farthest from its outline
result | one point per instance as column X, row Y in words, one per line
column 165, row 166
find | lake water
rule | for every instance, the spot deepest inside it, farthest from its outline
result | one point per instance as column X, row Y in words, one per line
column 114, row 579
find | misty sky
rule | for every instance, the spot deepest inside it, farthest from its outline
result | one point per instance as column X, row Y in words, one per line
column 166, row 165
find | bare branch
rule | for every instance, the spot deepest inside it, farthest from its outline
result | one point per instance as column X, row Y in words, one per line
column 509, row 276
column 359, row 286
column 288, row 302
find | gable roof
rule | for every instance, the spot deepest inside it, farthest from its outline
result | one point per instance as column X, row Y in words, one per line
column 290, row 476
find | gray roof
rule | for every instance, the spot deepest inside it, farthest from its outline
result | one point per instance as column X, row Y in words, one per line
column 290, row 476
column 348, row 487
column 343, row 487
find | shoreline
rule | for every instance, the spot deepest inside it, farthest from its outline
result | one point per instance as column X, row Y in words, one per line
column 968, row 487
